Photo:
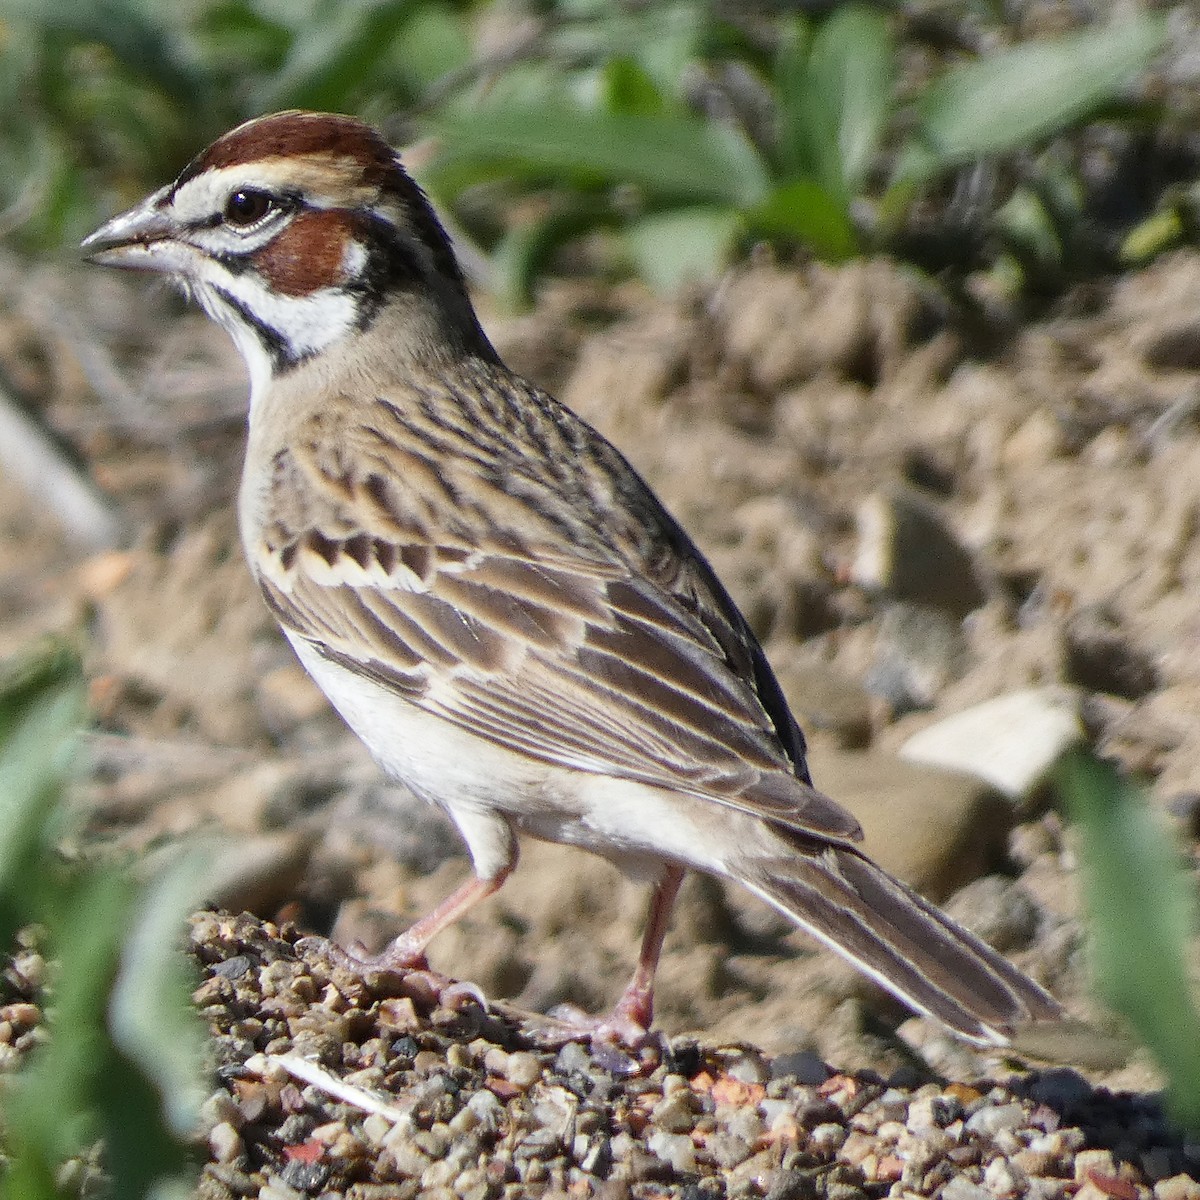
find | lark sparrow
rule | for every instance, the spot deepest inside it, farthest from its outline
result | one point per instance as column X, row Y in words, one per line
column 486, row 590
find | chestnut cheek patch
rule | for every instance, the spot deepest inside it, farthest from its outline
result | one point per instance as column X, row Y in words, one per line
column 311, row 253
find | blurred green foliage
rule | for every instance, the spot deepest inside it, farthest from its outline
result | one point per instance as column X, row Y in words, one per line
column 121, row 1060
column 1142, row 917
column 683, row 129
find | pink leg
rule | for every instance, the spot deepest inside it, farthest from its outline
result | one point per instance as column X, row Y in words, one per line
column 635, row 1009
column 408, row 950
column 630, row 1020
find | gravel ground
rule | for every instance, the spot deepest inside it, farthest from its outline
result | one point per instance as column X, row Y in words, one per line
column 1064, row 464
column 334, row 1087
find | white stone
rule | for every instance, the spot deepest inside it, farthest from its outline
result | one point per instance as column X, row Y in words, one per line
column 675, row 1149
column 1011, row 742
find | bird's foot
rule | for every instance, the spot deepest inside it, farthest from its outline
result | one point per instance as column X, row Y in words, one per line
column 627, row 1025
column 399, row 969
column 614, row 1030
column 357, row 959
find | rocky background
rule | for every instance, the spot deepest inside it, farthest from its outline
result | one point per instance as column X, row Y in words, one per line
column 963, row 555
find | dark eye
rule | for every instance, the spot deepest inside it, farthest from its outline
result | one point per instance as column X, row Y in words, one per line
column 246, row 207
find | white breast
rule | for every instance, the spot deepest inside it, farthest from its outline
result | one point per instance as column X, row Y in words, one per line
column 488, row 792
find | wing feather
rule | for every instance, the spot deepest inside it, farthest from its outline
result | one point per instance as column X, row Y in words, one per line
column 620, row 655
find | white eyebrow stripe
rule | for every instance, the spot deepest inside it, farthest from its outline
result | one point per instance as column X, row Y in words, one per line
column 327, row 183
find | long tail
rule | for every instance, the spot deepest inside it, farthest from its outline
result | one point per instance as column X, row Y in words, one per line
column 902, row 941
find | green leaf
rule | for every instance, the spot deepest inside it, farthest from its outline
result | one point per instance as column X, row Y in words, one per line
column 149, row 1017
column 850, row 82
column 435, row 42
column 806, row 212
column 41, row 707
column 1028, row 92
column 1029, row 233
column 688, row 245
column 1161, row 231
column 670, row 157
column 663, row 38
column 628, row 89
column 791, row 92
column 1143, row 915
column 329, row 62
column 526, row 248
column 82, row 1082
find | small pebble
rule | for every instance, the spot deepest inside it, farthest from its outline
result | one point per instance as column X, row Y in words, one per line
column 675, row 1149
column 746, row 1124
column 523, row 1069
column 224, row 1142
column 464, row 1120
column 927, row 1113
column 376, row 1128
column 1040, row 1188
column 748, row 1068
column 572, row 1059
column 487, row 1108
column 989, row 1121
column 961, row 1188
column 675, row 1113
column 1100, row 1161
column 495, row 1060
column 276, row 1189
column 1004, row 1179
column 1178, row 1187
column 827, row 1139
column 726, row 1149
column 434, row 1141
column 439, row 1174
column 471, row 1184
column 409, row 1160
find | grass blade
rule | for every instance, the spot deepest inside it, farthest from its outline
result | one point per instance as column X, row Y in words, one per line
column 1028, row 92
column 675, row 157
column 1143, row 914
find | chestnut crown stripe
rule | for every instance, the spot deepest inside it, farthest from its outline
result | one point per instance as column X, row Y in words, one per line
column 295, row 135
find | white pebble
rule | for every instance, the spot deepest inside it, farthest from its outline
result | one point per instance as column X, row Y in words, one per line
column 675, row 1149
column 745, row 1124
column 410, row 1160
column 1010, row 742
column 827, row 1138
column 464, row 1120
column 276, row 1189
column 961, row 1188
column 1178, row 1187
column 487, row 1108
column 439, row 1174
column 989, row 1120
column 1100, row 1161
column 522, row 1069
column 376, row 1128
column 749, row 1068
column 495, row 1060
column 927, row 1113
column 1004, row 1179
column 224, row 1142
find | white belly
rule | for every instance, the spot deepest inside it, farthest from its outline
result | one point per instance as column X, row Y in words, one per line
column 490, row 792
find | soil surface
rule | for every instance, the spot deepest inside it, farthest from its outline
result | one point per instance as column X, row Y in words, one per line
column 777, row 415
